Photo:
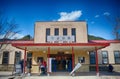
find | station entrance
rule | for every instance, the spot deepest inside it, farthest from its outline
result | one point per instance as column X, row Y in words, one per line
column 61, row 62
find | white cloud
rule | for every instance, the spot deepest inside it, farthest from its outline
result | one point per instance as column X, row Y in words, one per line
column 72, row 16
column 106, row 13
column 96, row 16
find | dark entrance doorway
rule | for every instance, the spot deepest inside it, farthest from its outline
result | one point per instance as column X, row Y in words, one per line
column 61, row 62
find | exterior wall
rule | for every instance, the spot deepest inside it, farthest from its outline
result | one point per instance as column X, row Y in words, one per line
column 113, row 47
column 11, row 49
column 35, row 67
column 85, row 66
column 40, row 30
column 111, row 60
column 110, row 49
column 78, row 53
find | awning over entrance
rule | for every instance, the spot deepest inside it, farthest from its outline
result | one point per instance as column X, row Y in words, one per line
column 63, row 46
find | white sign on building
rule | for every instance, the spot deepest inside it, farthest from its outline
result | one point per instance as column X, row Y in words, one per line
column 60, row 39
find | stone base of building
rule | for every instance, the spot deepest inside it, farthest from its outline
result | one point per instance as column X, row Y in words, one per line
column 9, row 67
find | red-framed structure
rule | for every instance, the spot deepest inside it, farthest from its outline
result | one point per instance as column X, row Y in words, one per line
column 91, row 46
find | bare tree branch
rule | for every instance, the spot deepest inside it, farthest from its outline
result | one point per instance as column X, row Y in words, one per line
column 115, row 23
column 7, row 30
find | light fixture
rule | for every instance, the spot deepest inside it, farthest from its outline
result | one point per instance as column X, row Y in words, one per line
column 67, row 52
column 44, row 51
column 88, row 52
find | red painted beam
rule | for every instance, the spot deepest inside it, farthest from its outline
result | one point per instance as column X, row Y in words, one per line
column 61, row 44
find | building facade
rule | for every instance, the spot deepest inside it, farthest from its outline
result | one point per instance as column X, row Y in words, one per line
column 63, row 41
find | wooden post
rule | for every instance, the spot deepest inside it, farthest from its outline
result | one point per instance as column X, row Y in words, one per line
column 48, row 60
column 97, row 66
column 24, row 60
column 73, row 58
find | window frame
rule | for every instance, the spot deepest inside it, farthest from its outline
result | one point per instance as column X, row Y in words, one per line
column 3, row 57
column 65, row 30
column 47, row 33
column 19, row 57
column 117, row 57
column 94, row 57
column 105, row 57
column 56, row 31
column 73, row 33
column 29, row 57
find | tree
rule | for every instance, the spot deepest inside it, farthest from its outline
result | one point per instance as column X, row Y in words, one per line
column 116, row 26
column 116, row 29
column 27, row 37
column 8, row 28
column 91, row 37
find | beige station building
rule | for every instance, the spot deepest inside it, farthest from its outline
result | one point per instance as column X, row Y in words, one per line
column 62, row 40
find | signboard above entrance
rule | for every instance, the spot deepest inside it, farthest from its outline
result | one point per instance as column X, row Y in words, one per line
column 61, row 39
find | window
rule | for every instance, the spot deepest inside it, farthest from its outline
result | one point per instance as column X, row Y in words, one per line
column 81, row 59
column 29, row 55
column 104, row 57
column 92, row 57
column 56, row 32
column 29, row 59
column 64, row 31
column 47, row 33
column 117, row 57
column 17, row 57
column 74, row 33
column 5, row 57
column 39, row 59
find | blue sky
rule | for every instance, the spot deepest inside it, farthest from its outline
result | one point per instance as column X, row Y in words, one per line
column 94, row 12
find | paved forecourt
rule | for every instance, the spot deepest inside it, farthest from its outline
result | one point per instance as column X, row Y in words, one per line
column 74, row 77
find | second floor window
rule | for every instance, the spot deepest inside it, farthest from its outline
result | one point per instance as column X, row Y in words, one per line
column 64, row 31
column 104, row 57
column 117, row 57
column 56, row 32
column 47, row 33
column 73, row 32
column 5, row 57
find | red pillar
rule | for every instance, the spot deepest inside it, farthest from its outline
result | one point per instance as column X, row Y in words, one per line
column 24, row 60
column 97, row 66
column 73, row 58
column 48, row 59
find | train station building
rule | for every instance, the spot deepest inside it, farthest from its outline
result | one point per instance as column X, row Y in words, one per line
column 62, row 41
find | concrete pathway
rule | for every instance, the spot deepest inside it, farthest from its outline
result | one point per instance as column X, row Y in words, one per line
column 65, row 75
column 75, row 77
